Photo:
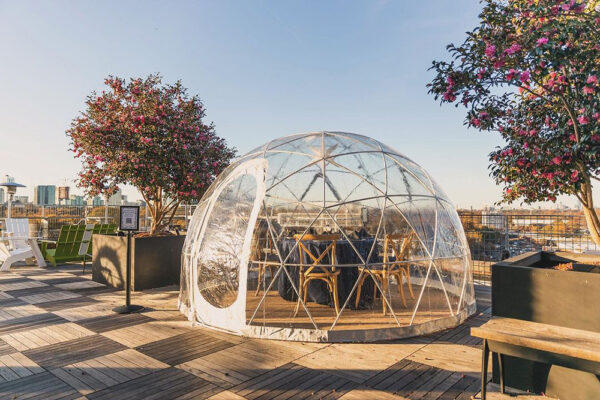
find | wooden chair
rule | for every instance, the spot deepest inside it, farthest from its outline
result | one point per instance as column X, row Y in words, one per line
column 393, row 265
column 316, row 270
column 267, row 251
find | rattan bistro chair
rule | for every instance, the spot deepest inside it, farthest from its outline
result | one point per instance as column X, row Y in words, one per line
column 395, row 253
column 313, row 269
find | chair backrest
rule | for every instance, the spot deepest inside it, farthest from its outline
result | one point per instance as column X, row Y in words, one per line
column 399, row 244
column 317, row 260
column 17, row 227
column 86, row 240
column 69, row 240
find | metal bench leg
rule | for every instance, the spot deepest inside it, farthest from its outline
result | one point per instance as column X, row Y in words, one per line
column 501, row 370
column 484, row 368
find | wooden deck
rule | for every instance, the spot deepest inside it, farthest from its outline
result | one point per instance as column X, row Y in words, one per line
column 59, row 339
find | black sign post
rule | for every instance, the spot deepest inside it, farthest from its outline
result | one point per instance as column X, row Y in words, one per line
column 129, row 221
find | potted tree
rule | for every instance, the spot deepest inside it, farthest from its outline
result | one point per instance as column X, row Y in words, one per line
column 529, row 71
column 150, row 135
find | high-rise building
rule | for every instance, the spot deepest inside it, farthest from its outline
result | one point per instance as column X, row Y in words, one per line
column 76, row 200
column 2, row 197
column 44, row 195
column 97, row 201
column 116, row 199
column 63, row 194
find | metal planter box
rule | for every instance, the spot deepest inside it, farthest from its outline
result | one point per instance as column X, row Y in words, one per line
column 155, row 261
column 527, row 287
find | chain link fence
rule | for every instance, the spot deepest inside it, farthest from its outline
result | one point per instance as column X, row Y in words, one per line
column 496, row 236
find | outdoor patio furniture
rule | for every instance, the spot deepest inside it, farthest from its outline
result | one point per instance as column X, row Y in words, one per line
column 17, row 245
column 74, row 243
column 315, row 267
column 347, row 262
column 270, row 262
column 571, row 348
column 395, row 253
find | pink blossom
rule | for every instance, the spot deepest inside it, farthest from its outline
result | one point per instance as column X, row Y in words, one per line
column 575, row 176
column 557, row 160
column 475, row 122
column 524, row 76
column 542, row 41
column 583, row 120
column 511, row 74
column 513, row 49
column 480, row 73
column 588, row 90
column 490, row 50
column 592, row 79
column 572, row 138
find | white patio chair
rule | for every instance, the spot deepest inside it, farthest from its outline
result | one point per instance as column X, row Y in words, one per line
column 16, row 245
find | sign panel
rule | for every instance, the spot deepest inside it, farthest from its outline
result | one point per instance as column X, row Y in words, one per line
column 129, row 218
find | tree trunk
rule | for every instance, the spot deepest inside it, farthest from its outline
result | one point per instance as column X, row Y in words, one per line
column 591, row 217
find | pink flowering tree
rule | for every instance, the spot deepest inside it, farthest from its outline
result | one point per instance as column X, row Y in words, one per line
column 150, row 135
column 530, row 72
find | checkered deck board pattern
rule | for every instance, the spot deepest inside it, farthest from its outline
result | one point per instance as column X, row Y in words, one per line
column 59, row 339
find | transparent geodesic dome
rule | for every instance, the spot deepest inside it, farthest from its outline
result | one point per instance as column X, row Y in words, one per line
column 326, row 236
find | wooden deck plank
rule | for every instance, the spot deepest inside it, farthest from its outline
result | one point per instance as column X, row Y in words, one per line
column 73, row 351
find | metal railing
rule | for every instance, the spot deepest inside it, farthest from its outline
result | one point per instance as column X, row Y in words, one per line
column 493, row 237
column 46, row 221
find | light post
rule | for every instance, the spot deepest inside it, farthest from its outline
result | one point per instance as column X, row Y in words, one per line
column 11, row 188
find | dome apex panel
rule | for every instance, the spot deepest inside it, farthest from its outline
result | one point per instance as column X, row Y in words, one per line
column 326, row 236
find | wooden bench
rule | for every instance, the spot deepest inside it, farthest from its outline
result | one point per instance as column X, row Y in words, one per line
column 571, row 348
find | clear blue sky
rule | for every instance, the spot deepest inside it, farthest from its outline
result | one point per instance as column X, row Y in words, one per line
column 264, row 69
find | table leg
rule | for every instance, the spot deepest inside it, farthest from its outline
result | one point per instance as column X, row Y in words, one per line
column 484, row 368
column 37, row 253
column 501, row 371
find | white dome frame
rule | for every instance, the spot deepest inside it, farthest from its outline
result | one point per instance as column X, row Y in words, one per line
column 232, row 317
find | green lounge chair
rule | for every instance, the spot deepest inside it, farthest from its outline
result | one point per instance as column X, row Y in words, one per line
column 67, row 245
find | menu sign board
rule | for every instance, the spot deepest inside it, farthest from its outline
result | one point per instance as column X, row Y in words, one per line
column 129, row 218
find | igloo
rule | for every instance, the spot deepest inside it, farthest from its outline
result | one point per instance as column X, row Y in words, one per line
column 326, row 236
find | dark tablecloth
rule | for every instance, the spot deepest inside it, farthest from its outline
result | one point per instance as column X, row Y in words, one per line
column 317, row 290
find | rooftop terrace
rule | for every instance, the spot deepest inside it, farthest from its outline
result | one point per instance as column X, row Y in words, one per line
column 59, row 339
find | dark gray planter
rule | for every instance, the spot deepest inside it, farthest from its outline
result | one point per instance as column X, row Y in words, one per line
column 155, row 261
column 526, row 287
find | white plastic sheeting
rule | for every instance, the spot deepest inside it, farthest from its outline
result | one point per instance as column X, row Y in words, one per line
column 324, row 182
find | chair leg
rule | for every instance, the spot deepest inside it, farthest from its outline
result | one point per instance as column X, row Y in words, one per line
column 359, row 290
column 406, row 271
column 501, row 371
column 260, row 274
column 484, row 368
column 385, row 281
column 336, row 300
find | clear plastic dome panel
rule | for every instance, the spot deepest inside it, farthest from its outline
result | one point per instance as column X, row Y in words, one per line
column 326, row 236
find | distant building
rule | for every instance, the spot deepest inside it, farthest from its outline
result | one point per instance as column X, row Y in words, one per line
column 116, row 199
column 21, row 199
column 75, row 200
column 496, row 221
column 63, row 194
column 2, row 197
column 97, row 201
column 44, row 195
